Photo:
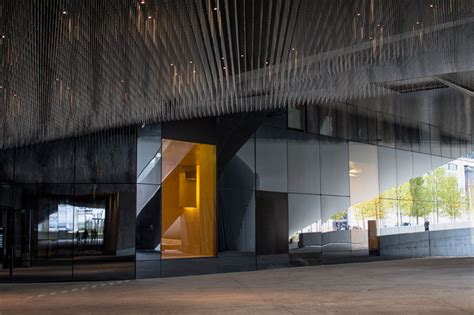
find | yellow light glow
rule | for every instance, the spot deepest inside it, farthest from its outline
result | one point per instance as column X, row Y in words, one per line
column 189, row 206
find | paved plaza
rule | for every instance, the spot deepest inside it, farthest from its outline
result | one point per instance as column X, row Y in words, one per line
column 435, row 285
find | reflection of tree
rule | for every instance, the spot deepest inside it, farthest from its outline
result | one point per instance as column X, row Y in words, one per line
column 415, row 199
column 404, row 197
column 446, row 193
column 419, row 199
column 376, row 208
column 367, row 209
column 432, row 180
column 339, row 216
column 469, row 198
column 450, row 197
column 417, row 196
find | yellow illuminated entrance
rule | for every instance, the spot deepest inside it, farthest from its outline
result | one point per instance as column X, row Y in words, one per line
column 189, row 200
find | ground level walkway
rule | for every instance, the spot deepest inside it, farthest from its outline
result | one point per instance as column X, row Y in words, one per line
column 435, row 285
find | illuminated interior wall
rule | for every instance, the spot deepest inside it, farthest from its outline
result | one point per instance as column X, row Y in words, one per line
column 189, row 200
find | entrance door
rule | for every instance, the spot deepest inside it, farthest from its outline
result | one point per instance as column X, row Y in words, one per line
column 36, row 236
column 42, row 243
column 21, row 239
column 271, row 220
column 15, row 242
column 29, row 253
column 6, row 227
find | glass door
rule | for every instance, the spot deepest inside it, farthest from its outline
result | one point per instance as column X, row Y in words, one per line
column 42, row 239
column 22, row 239
column 6, row 226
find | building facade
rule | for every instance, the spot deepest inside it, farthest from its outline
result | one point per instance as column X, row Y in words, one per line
column 146, row 139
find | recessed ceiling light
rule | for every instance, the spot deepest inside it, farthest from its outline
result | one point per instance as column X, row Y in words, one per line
column 64, row 12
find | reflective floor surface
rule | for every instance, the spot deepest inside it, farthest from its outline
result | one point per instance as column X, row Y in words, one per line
column 435, row 285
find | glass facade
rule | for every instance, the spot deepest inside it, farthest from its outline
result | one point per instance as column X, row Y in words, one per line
column 67, row 209
column 148, row 203
column 161, row 138
column 234, row 193
column 394, row 177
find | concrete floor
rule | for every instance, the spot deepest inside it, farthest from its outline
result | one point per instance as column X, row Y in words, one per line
column 443, row 285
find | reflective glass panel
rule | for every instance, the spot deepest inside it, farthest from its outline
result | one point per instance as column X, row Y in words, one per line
column 6, row 165
column 334, row 167
column 297, row 117
column 149, row 155
column 107, row 158
column 271, row 159
column 51, row 162
column 336, row 234
column 272, row 223
column 148, row 231
column 304, row 222
column 303, row 164
column 236, row 209
column 104, row 231
column 43, row 232
column 364, row 176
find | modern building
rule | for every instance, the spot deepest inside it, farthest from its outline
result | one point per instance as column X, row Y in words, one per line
column 155, row 138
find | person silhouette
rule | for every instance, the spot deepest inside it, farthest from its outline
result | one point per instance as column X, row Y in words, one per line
column 85, row 236
column 94, row 237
